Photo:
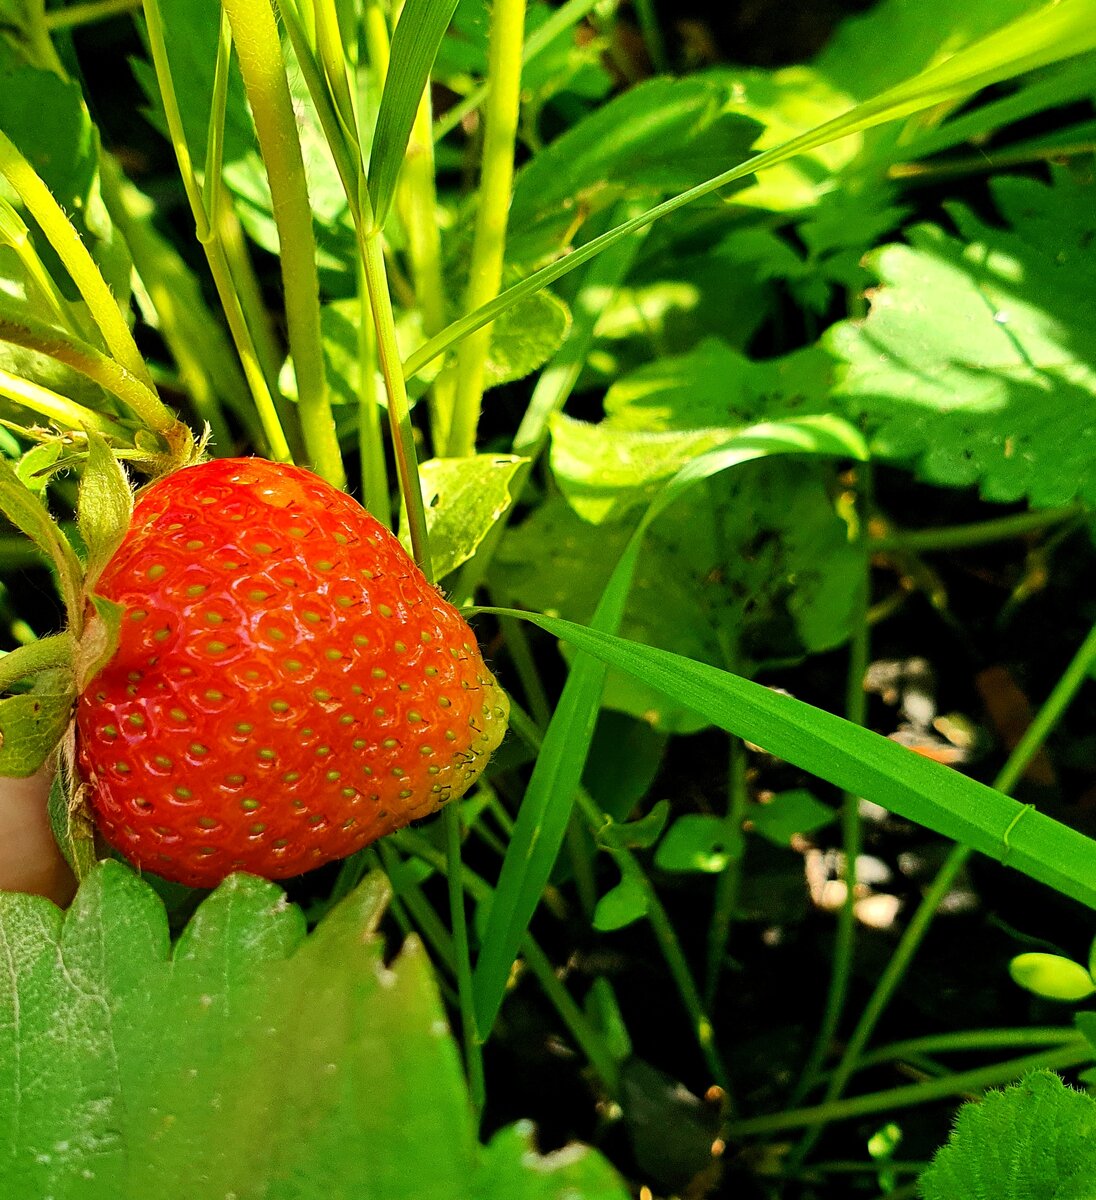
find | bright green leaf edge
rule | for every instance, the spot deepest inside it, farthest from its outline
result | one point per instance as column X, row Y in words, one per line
column 855, row 760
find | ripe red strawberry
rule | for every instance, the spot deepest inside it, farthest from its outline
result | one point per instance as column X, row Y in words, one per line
column 288, row 687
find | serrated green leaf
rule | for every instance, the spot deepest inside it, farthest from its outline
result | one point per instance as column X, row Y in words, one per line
column 129, row 1070
column 1035, row 1140
column 104, row 507
column 463, row 498
column 977, row 361
column 640, row 834
column 789, row 813
column 1052, row 977
column 621, row 906
column 525, row 337
column 32, row 723
column 415, row 43
column 699, row 843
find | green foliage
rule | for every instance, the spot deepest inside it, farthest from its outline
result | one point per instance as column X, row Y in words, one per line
column 752, row 569
column 104, row 508
column 788, row 814
column 130, row 1068
column 1035, row 1140
column 699, row 843
column 976, row 364
column 655, row 139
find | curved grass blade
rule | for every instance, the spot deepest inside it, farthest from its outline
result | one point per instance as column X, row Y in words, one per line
column 856, row 760
column 415, row 43
column 546, row 808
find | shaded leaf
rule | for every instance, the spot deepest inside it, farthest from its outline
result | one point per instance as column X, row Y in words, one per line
column 620, row 906
column 525, row 337
column 699, row 843
column 639, row 834
column 789, row 813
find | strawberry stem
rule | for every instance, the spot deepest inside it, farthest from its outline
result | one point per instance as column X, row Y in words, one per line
column 259, row 53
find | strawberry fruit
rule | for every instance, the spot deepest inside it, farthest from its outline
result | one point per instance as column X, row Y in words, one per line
column 288, row 686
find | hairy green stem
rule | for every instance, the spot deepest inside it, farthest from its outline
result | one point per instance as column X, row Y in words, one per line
column 489, row 242
column 24, row 330
column 77, row 260
column 59, row 409
column 259, row 53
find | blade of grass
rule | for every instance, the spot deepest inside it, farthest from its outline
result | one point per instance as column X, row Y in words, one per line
column 415, row 43
column 856, row 760
column 546, row 809
column 1056, row 31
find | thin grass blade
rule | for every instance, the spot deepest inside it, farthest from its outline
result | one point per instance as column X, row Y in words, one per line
column 415, row 43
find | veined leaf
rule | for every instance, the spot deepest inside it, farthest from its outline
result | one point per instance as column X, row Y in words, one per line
column 104, row 507
column 1059, row 30
column 127, row 1069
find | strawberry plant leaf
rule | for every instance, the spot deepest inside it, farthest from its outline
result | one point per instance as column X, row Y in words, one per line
column 104, row 507
column 786, row 103
column 977, row 361
column 1052, row 977
column 129, row 1069
column 33, row 468
column 640, row 834
column 1035, row 1140
column 525, row 337
column 512, row 1170
column 32, row 723
column 711, row 581
column 463, row 498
